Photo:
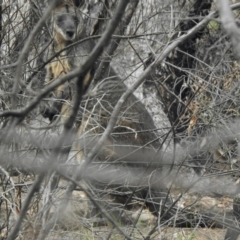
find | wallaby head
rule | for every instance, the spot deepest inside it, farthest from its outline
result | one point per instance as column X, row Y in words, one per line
column 67, row 21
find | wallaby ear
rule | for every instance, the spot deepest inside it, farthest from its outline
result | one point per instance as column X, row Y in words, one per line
column 57, row 3
column 78, row 3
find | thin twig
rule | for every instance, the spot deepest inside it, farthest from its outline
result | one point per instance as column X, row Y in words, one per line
column 34, row 188
column 230, row 25
column 25, row 51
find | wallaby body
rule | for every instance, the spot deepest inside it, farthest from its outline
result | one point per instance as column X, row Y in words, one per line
column 134, row 127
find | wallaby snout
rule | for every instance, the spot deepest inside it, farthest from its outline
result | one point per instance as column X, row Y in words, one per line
column 66, row 26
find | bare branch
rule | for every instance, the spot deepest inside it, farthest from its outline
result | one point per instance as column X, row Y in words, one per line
column 114, row 43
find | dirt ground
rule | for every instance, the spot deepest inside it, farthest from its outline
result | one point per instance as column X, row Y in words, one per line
column 165, row 233
column 77, row 226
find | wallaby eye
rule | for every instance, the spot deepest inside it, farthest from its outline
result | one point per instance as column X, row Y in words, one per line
column 60, row 19
column 75, row 19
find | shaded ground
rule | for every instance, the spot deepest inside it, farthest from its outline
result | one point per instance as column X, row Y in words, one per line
column 146, row 222
column 75, row 224
column 164, row 233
